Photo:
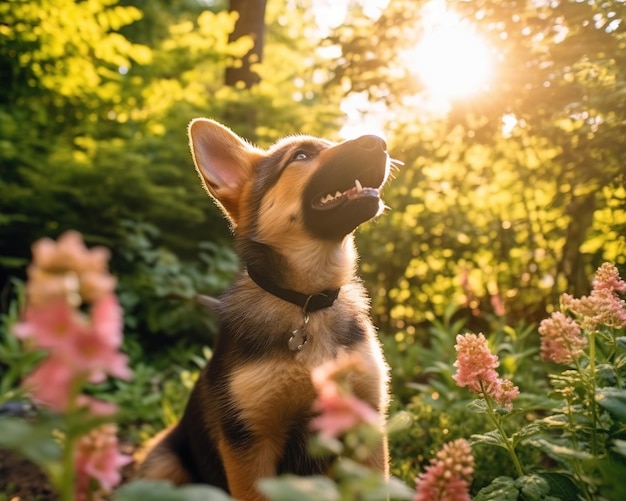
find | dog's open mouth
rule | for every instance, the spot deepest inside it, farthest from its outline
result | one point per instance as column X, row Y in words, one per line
column 344, row 192
column 330, row 200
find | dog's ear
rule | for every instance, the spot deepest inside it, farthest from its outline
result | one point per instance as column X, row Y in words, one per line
column 223, row 160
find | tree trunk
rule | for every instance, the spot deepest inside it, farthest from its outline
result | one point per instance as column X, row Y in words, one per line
column 251, row 23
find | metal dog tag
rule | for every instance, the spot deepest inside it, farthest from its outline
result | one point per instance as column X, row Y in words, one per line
column 299, row 336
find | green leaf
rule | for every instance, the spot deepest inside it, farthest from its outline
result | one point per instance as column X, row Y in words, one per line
column 490, row 438
column 501, row 489
column 527, row 431
column 323, row 446
column 141, row 490
column 400, row 421
column 33, row 441
column 560, row 452
column 477, row 405
column 290, row 487
column 363, row 483
column 619, row 446
column 533, row 487
column 613, row 472
column 613, row 400
column 561, row 486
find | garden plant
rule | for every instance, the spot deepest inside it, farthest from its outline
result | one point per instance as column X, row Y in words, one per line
column 70, row 327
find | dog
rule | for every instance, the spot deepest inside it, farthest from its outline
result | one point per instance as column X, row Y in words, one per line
column 297, row 304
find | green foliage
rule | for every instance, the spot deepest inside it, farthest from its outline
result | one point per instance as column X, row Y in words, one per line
column 498, row 219
column 439, row 411
column 15, row 363
column 159, row 290
column 165, row 491
column 529, row 487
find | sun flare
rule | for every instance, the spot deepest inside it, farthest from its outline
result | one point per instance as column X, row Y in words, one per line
column 451, row 59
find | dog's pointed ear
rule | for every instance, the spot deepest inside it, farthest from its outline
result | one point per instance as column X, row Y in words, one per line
column 223, row 160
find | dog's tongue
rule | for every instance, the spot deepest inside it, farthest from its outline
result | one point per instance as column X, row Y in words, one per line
column 355, row 193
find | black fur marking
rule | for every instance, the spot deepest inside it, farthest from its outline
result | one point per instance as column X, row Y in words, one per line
column 297, row 459
column 248, row 348
column 196, row 449
column 270, row 168
column 261, row 256
column 238, row 434
column 354, row 334
column 178, row 442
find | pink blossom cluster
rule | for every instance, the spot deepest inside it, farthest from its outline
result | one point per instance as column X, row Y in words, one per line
column 338, row 409
column 98, row 456
column 73, row 315
column 603, row 306
column 449, row 474
column 476, row 369
column 563, row 338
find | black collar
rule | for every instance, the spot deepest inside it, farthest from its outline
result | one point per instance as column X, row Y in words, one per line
column 308, row 303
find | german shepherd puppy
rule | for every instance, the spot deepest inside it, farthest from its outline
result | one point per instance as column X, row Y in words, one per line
column 293, row 209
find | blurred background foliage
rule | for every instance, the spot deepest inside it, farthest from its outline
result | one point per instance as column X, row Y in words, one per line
column 508, row 196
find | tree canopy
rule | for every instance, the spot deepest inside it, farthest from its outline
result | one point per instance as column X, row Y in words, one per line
column 507, row 195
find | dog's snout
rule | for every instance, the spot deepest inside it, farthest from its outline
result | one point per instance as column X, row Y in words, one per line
column 371, row 142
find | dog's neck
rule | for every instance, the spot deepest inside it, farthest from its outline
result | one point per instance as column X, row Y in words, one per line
column 308, row 302
column 306, row 268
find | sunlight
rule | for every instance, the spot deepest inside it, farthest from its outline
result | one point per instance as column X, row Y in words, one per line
column 329, row 14
column 451, row 59
column 362, row 117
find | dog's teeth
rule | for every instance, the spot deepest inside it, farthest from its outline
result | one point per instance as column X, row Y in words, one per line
column 358, row 185
column 338, row 194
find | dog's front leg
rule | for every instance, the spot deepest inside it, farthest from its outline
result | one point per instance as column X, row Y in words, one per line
column 246, row 465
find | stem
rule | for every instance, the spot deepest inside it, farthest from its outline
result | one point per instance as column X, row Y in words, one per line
column 611, row 359
column 576, row 462
column 66, row 490
column 68, row 467
column 592, row 395
column 507, row 440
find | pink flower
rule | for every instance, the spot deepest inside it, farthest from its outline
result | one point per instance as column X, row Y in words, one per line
column 96, row 407
column 51, row 325
column 106, row 315
column 504, row 392
column 98, row 457
column 475, row 363
column 90, row 356
column 476, row 369
column 339, row 410
column 66, row 268
column 603, row 306
column 449, row 474
column 82, row 345
column 51, row 384
column 86, row 347
column 562, row 340
column 69, row 252
column 339, row 413
column 607, row 278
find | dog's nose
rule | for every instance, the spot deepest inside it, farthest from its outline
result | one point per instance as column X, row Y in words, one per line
column 371, row 142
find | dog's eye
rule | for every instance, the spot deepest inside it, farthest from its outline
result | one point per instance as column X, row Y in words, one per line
column 300, row 155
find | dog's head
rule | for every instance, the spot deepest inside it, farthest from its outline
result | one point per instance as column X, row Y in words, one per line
column 292, row 206
column 300, row 184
